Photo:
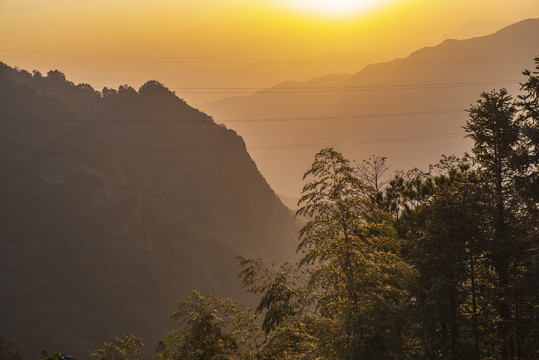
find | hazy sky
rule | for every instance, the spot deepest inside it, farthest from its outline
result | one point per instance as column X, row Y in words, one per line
column 251, row 42
column 206, row 50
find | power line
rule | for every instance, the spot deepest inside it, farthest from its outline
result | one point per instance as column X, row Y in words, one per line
column 360, row 87
column 356, row 89
column 280, row 90
column 213, row 60
column 231, row 148
column 347, row 117
column 366, row 87
column 254, row 120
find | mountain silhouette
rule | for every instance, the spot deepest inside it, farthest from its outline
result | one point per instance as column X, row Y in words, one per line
column 115, row 205
column 411, row 110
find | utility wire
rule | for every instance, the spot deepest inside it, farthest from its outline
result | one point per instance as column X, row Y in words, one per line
column 212, row 60
column 231, row 148
column 255, row 120
column 366, row 87
column 279, row 90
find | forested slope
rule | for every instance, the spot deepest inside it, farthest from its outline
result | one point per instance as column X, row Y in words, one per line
column 115, row 205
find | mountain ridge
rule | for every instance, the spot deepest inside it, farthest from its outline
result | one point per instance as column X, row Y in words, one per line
column 115, row 206
column 448, row 76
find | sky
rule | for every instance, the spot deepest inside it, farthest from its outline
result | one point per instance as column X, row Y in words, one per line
column 252, row 43
column 206, row 50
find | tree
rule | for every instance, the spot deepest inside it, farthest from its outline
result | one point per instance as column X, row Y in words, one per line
column 527, row 186
column 396, row 196
column 290, row 324
column 529, row 105
column 528, row 153
column 443, row 236
column 472, row 234
column 371, row 172
column 128, row 347
column 345, row 298
column 352, row 255
column 214, row 329
column 496, row 131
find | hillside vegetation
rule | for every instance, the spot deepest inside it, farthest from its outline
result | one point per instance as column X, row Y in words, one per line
column 116, row 204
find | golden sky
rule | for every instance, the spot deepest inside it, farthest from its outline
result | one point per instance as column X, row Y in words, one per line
column 206, row 50
column 212, row 42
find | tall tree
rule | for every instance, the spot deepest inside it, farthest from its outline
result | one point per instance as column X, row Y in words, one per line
column 494, row 127
column 443, row 235
column 527, row 186
column 371, row 171
column 529, row 105
column 352, row 253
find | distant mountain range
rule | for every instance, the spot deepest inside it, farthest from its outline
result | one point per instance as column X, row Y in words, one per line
column 116, row 205
column 410, row 109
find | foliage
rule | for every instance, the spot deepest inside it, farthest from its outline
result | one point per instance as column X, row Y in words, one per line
column 8, row 351
column 213, row 328
column 58, row 356
column 352, row 252
column 470, row 228
column 443, row 233
column 442, row 264
column 289, row 323
column 128, row 347
column 345, row 297
column 371, row 172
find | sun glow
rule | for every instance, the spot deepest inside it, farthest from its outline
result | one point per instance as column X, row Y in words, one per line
column 335, row 8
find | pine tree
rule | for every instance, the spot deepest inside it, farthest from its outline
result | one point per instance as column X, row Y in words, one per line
column 495, row 129
column 443, row 235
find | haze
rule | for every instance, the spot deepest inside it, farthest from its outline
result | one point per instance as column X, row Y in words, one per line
column 152, row 151
column 230, row 43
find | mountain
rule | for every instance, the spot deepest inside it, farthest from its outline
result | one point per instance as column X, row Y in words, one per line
column 411, row 110
column 476, row 28
column 115, row 205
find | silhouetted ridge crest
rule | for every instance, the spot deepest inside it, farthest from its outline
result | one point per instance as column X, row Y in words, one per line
column 153, row 100
column 55, row 83
column 154, row 86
